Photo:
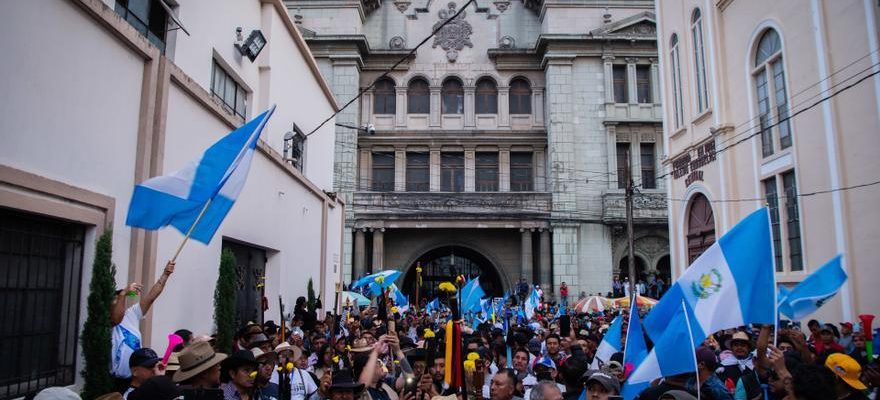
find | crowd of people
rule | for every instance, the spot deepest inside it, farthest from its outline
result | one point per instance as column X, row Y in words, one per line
column 382, row 353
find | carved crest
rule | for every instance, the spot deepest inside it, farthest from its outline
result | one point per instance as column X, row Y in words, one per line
column 455, row 35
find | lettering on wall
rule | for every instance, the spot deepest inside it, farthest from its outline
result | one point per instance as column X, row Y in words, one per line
column 691, row 163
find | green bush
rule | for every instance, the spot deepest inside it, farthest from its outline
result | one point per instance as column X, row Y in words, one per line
column 96, row 334
column 224, row 302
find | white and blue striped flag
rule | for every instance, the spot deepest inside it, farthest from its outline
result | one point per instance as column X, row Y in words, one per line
column 730, row 285
column 812, row 292
column 217, row 176
column 611, row 343
column 531, row 304
column 634, row 351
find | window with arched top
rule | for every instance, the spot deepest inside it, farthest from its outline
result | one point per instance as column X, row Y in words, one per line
column 452, row 94
column 418, row 97
column 699, row 62
column 677, row 108
column 384, row 98
column 520, row 96
column 772, row 99
column 486, row 96
column 700, row 226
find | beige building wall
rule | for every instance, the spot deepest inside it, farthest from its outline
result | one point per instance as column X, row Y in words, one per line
column 92, row 108
column 826, row 47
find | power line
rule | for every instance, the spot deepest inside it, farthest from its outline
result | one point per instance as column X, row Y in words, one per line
column 783, row 120
column 825, row 191
column 388, row 71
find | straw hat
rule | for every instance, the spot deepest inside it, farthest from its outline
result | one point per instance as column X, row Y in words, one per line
column 196, row 359
column 284, row 346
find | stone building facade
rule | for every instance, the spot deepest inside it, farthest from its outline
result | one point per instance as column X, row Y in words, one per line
column 496, row 149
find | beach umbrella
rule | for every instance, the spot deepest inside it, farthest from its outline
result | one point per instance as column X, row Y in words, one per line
column 592, row 304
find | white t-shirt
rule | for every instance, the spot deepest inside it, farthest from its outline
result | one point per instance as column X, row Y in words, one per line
column 126, row 338
column 302, row 386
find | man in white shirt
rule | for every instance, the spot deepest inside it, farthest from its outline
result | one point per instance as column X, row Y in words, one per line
column 126, row 335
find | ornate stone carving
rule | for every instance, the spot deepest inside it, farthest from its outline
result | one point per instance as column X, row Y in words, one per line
column 402, row 5
column 502, row 6
column 640, row 29
column 455, row 35
column 397, row 43
column 507, row 42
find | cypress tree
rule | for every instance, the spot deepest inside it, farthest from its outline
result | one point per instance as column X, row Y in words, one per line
column 224, row 302
column 311, row 299
column 96, row 339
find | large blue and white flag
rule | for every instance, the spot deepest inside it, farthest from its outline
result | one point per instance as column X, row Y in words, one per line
column 531, row 304
column 400, row 300
column 218, row 176
column 377, row 281
column 673, row 351
column 634, row 352
column 812, row 292
column 611, row 343
column 471, row 294
column 434, row 305
column 731, row 284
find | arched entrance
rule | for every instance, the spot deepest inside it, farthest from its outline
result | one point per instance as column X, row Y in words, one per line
column 442, row 264
column 701, row 226
column 623, row 267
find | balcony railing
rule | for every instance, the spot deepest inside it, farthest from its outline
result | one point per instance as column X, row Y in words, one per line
column 490, row 205
column 647, row 208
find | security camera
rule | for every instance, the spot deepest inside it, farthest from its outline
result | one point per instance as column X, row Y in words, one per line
column 371, row 130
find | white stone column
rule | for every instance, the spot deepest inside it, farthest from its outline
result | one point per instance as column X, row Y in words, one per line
column 434, row 165
column 655, row 81
column 561, row 137
column 469, row 170
column 399, row 170
column 365, row 169
column 544, row 266
column 504, row 106
column 359, row 254
column 540, row 171
column 609, row 78
column 538, row 108
column 378, row 249
column 469, row 104
column 526, row 255
column 400, row 114
column 596, row 267
column 504, row 170
column 631, row 80
column 366, row 108
column 434, row 120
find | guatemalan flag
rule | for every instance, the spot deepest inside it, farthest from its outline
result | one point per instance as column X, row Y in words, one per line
column 217, row 176
column 812, row 292
column 730, row 285
column 532, row 303
column 471, row 294
column 634, row 352
column 611, row 343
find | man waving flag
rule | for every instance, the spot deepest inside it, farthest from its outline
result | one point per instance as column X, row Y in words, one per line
column 200, row 194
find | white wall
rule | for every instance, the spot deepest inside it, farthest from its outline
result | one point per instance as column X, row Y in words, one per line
column 70, row 108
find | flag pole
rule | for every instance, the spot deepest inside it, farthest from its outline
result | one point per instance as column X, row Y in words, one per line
column 693, row 346
column 191, row 229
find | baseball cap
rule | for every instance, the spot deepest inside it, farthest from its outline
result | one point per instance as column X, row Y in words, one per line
column 143, row 357
column 610, row 384
column 706, row 356
column 847, row 369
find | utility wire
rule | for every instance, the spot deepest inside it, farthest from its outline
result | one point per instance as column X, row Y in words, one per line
column 388, row 71
column 783, row 120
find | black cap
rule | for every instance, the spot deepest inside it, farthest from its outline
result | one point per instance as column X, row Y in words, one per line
column 143, row 357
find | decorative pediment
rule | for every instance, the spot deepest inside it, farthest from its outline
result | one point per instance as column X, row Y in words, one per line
column 642, row 24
